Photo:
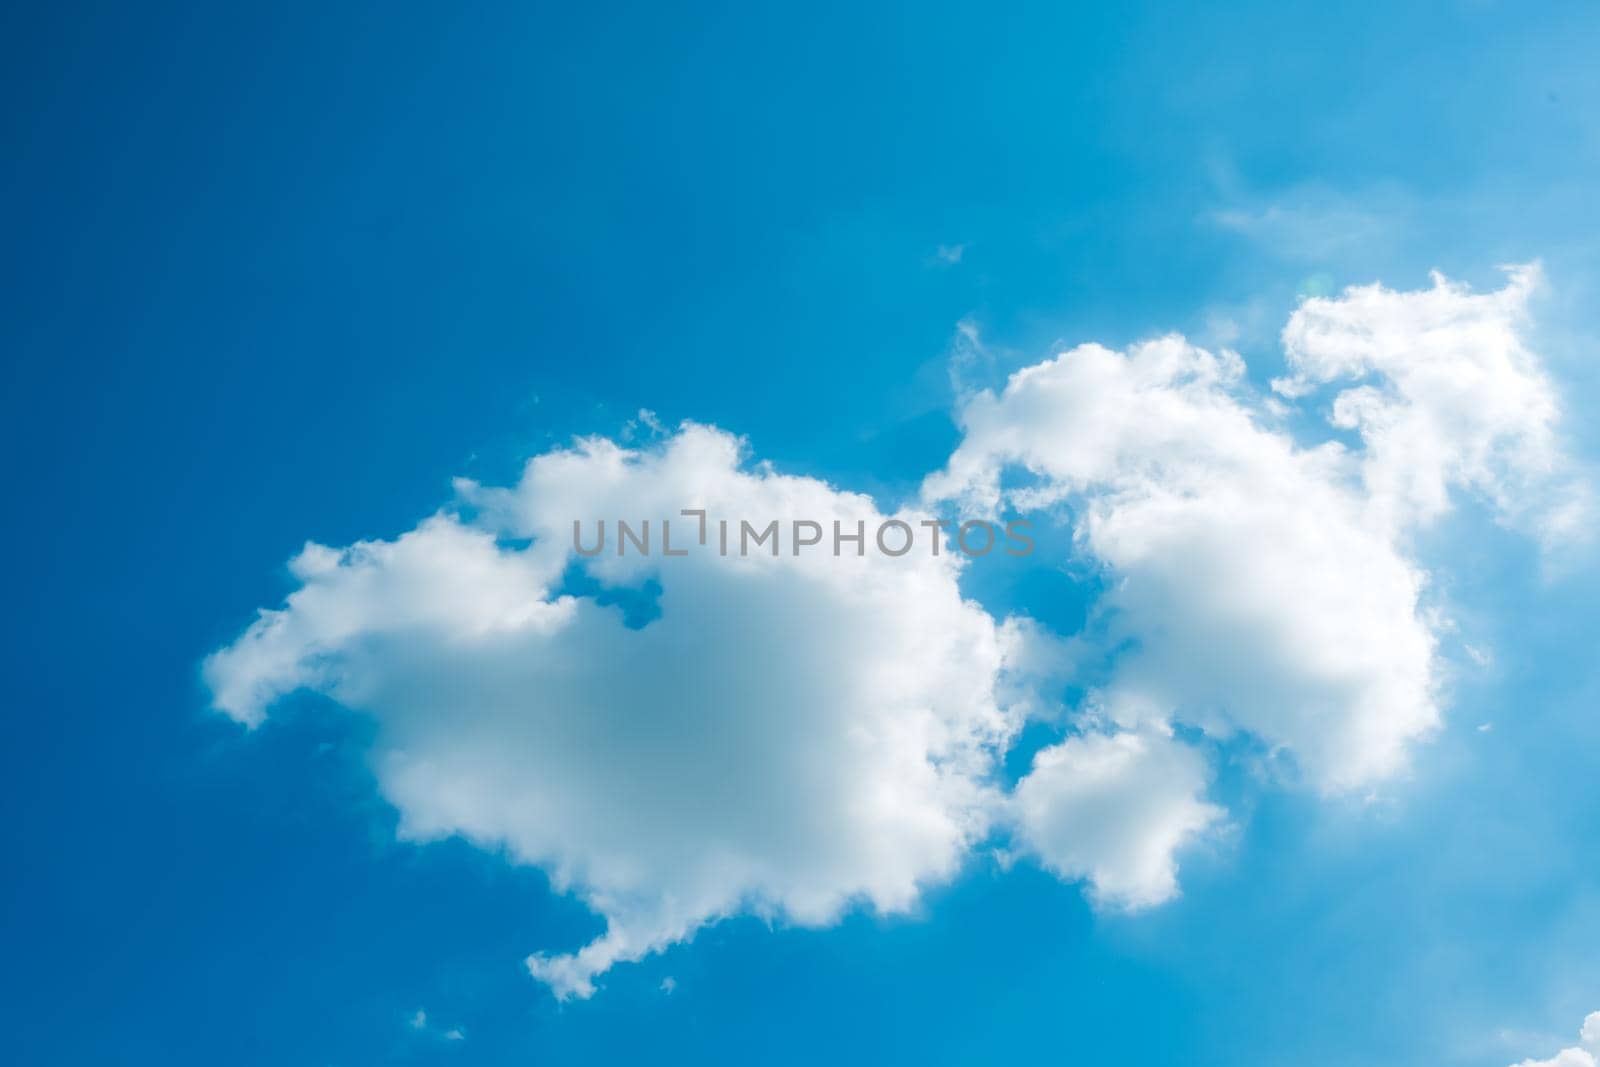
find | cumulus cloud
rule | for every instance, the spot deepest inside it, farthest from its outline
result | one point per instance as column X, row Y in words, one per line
column 1567, row 1057
column 1582, row 1056
column 1114, row 809
column 1250, row 589
column 789, row 736
column 1255, row 584
column 1450, row 396
column 1259, row 585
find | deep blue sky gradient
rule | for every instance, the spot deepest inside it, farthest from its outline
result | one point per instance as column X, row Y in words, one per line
column 279, row 272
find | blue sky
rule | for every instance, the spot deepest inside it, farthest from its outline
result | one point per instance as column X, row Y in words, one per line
column 280, row 274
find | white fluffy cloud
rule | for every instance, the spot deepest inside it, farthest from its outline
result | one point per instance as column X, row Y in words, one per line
column 1113, row 809
column 1254, row 590
column 1257, row 585
column 1567, row 1057
column 790, row 735
column 1584, row 1056
column 1451, row 396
